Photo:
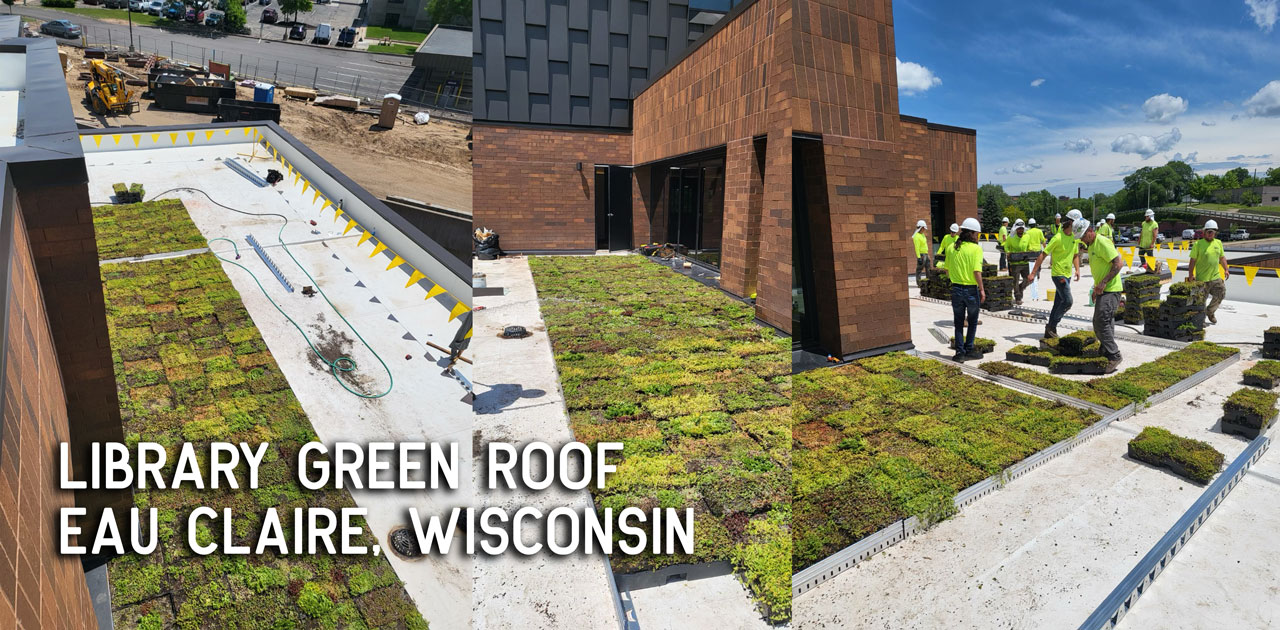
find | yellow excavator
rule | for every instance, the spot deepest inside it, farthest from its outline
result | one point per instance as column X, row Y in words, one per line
column 107, row 93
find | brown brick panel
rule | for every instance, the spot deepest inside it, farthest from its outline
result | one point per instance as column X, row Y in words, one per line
column 528, row 188
column 743, row 200
column 39, row 589
column 773, row 282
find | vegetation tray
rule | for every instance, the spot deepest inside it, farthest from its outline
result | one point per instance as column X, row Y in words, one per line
column 191, row 367
column 696, row 392
column 1188, row 458
column 894, row 436
column 1248, row 412
column 1264, row 374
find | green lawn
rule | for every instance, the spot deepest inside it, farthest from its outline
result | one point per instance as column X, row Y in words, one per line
column 115, row 14
column 1217, row 206
column 696, row 392
column 376, row 33
column 191, row 366
column 394, row 49
column 893, row 436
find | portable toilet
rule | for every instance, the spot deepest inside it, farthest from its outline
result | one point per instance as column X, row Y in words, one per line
column 264, row 93
column 390, row 107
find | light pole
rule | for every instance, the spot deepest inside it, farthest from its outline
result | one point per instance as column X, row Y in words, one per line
column 1148, row 182
column 128, row 7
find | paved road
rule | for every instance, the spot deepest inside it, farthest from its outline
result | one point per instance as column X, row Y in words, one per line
column 329, row 69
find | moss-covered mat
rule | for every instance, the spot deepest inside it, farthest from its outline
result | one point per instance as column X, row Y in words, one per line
column 1193, row 459
column 894, row 436
column 150, row 227
column 1135, row 384
column 191, row 367
column 698, row 394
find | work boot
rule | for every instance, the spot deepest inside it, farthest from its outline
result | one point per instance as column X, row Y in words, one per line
column 959, row 357
column 974, row 354
column 1050, row 332
column 1112, row 365
column 1212, row 319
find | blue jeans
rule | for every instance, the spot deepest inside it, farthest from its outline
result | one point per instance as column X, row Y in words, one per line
column 964, row 301
column 1062, row 300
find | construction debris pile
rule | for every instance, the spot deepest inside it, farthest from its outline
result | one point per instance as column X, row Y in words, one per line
column 1181, row 316
column 1077, row 353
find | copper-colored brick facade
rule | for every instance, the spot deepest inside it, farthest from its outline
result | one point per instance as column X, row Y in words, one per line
column 777, row 70
column 39, row 589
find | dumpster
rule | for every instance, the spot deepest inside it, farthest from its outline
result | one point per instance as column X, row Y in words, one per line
column 264, row 93
column 191, row 93
column 232, row 110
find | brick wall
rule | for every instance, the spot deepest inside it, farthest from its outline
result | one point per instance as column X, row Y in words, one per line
column 38, row 588
column 938, row 160
column 743, row 204
column 528, row 188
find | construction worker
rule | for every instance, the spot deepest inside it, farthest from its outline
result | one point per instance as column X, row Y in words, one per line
column 1016, row 244
column 1057, row 225
column 1035, row 237
column 1209, row 265
column 921, row 248
column 964, row 266
column 947, row 241
column 1147, row 241
column 1105, row 264
column 1065, row 256
column 1073, row 215
column 1000, row 237
column 1108, row 227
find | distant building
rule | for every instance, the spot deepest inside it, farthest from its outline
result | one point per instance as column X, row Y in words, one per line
column 442, row 68
column 410, row 14
column 1270, row 195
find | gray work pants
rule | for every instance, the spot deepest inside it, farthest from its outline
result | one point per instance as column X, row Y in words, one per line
column 1104, row 323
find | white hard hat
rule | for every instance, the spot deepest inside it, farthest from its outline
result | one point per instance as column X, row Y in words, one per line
column 1004, row 220
column 1057, row 215
column 1075, row 215
column 1211, row 225
column 1111, row 216
column 1031, row 221
column 972, row 225
column 1018, row 223
column 955, row 228
column 920, row 223
column 1150, row 213
column 1080, row 226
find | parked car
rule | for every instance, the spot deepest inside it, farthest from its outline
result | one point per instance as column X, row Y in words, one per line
column 323, row 32
column 214, row 18
column 1240, row 234
column 155, row 7
column 138, row 6
column 115, row 4
column 191, row 14
column 269, row 16
column 1188, row 234
column 60, row 28
column 346, row 37
column 1159, row 237
column 175, row 11
column 298, row 32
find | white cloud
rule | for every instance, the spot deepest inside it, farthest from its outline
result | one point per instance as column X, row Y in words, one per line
column 1079, row 145
column 914, row 78
column 1266, row 103
column 1188, row 158
column 1021, row 168
column 1037, row 83
column 1265, row 13
column 1163, row 108
column 1146, row 146
column 1207, row 123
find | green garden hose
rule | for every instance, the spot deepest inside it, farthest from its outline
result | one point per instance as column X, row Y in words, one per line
column 336, row 366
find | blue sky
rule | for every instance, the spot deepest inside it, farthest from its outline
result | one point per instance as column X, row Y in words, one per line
column 1083, row 93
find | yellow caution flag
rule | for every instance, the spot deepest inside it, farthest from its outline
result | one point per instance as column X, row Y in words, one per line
column 395, row 262
column 305, row 185
column 364, row 237
column 1151, row 261
column 1173, row 264
column 434, row 291
column 336, row 214
column 173, row 138
column 208, row 135
column 378, row 249
column 1249, row 273
column 350, row 224
column 137, row 139
column 226, row 132
column 316, row 198
column 328, row 203
column 155, row 137
column 413, row 279
column 1127, row 254
column 191, row 137
column 247, row 130
column 115, row 137
column 458, row 309
column 97, row 140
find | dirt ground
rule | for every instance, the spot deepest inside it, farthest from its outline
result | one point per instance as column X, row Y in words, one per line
column 429, row 162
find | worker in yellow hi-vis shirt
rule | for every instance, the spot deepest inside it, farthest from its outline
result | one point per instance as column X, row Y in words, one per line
column 1000, row 238
column 921, row 244
column 1105, row 264
column 1147, row 241
column 1108, row 229
column 1065, row 256
column 1034, row 241
column 1209, row 265
column 944, row 246
column 1015, row 244
column 964, row 266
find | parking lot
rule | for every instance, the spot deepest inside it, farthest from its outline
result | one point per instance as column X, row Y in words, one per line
column 335, row 14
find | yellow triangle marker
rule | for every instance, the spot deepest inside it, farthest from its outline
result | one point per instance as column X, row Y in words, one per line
column 208, row 135
column 434, row 291
column 305, row 184
column 1249, row 273
column 137, row 139
column 296, row 177
column 1151, row 261
column 350, row 224
column 395, row 262
column 328, row 203
column 115, row 137
column 191, row 137
column 155, row 137
column 468, row 335
column 413, row 279
column 247, row 130
column 378, row 249
column 364, row 237
column 226, row 132
column 1173, row 264
column 97, row 141
column 335, row 214
column 315, row 197
column 1128, row 257
column 458, row 309
column 173, row 138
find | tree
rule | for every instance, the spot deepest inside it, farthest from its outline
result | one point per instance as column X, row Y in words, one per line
column 992, row 199
column 294, row 7
column 234, row 17
column 1273, row 176
column 1014, row 213
column 1241, row 174
column 450, row 11
column 1250, row 199
column 1230, row 180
